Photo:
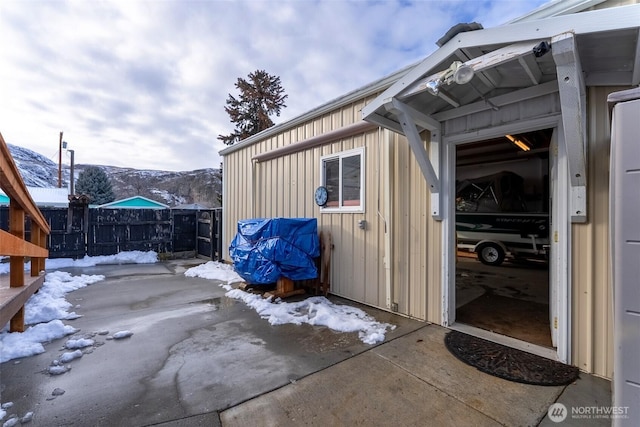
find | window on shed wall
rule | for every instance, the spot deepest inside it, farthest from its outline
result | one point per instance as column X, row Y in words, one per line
column 343, row 176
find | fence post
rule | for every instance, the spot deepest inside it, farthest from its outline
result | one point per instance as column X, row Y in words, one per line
column 218, row 216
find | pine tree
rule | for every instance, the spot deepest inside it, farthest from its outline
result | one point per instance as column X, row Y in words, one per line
column 94, row 182
column 260, row 97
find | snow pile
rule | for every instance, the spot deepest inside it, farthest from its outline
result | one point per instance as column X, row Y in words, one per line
column 214, row 270
column 29, row 342
column 79, row 343
column 70, row 355
column 49, row 302
column 317, row 311
column 129, row 257
column 122, row 334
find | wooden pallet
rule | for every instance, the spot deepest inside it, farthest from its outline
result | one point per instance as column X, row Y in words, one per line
column 285, row 287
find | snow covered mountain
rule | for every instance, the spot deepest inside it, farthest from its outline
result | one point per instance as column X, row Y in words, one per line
column 36, row 169
column 203, row 186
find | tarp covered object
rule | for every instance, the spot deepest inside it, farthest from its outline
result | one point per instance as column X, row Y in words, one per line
column 265, row 250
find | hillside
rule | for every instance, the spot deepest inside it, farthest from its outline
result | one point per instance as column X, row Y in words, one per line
column 202, row 186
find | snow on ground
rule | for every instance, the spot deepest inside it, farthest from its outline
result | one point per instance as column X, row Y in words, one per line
column 46, row 309
column 317, row 311
column 130, row 257
column 30, row 342
column 215, row 271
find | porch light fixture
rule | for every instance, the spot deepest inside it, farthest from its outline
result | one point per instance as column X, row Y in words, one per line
column 517, row 142
column 457, row 72
column 463, row 73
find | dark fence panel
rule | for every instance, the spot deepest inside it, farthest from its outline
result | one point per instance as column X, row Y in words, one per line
column 67, row 238
column 210, row 234
column 184, row 230
column 116, row 230
column 78, row 231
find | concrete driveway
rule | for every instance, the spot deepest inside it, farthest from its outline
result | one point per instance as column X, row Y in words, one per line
column 198, row 358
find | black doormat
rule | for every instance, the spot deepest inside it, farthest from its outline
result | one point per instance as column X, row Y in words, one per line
column 509, row 363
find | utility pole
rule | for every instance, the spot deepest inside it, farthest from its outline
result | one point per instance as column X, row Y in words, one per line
column 60, row 162
column 71, row 189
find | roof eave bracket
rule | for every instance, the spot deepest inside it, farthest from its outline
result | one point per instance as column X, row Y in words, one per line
column 573, row 99
column 409, row 119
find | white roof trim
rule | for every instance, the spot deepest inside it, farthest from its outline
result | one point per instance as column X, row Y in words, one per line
column 615, row 18
column 556, row 8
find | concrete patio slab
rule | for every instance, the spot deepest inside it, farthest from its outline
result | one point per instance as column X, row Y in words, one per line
column 199, row 358
column 424, row 354
column 193, row 352
column 587, row 391
column 365, row 390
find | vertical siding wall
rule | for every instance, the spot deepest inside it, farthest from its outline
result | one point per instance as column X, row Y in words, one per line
column 416, row 239
column 592, row 317
column 284, row 187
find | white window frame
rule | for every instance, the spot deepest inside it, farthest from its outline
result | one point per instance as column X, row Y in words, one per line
column 340, row 156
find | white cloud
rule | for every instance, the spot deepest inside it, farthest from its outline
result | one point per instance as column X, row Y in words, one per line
column 143, row 84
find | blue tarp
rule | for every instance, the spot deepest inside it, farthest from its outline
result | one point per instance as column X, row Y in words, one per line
column 265, row 250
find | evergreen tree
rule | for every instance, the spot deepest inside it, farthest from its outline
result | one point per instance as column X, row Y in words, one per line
column 260, row 96
column 94, row 182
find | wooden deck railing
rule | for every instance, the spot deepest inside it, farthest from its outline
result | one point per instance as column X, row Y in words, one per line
column 17, row 287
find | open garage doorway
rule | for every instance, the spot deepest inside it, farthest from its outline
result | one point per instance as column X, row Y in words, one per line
column 502, row 199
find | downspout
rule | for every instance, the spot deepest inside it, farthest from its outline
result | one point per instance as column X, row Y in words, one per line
column 252, row 207
column 386, row 156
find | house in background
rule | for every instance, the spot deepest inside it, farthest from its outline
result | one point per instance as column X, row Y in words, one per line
column 44, row 197
column 390, row 154
column 135, row 202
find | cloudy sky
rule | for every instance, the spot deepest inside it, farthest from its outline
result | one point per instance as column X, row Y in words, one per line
column 143, row 84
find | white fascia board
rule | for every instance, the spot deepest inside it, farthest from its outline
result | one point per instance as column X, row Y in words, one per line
column 556, row 8
column 611, row 19
column 615, row 18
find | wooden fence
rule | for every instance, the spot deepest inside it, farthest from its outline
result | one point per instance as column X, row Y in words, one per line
column 78, row 231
